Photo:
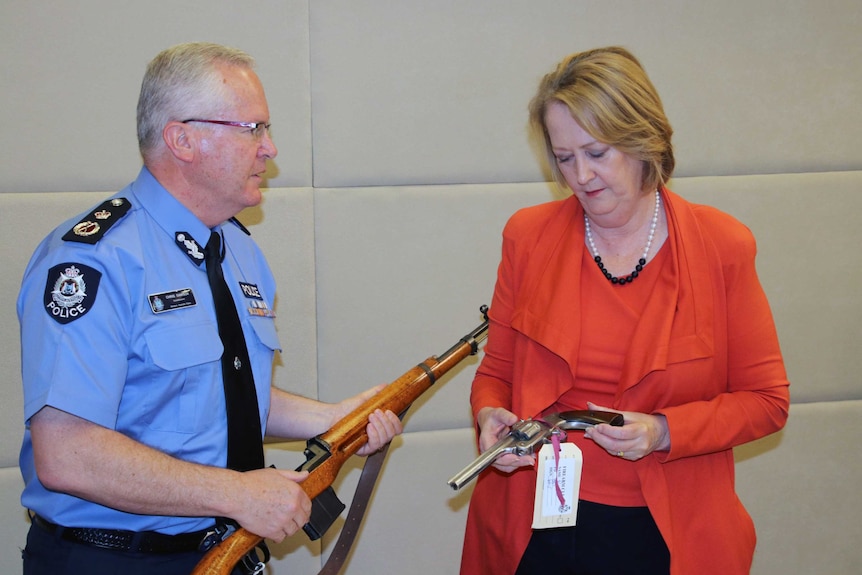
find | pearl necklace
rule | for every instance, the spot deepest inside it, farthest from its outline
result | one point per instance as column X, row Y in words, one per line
column 641, row 262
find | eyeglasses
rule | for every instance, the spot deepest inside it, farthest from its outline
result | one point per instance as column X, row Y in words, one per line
column 256, row 129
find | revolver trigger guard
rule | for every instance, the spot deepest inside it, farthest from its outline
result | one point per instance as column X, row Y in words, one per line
column 520, row 450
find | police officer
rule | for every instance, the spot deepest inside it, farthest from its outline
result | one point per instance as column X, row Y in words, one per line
column 124, row 455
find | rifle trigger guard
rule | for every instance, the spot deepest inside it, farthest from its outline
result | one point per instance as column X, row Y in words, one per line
column 216, row 535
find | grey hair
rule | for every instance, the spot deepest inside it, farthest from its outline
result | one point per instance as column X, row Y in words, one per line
column 181, row 83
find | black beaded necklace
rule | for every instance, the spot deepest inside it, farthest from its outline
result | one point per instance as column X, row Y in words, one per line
column 643, row 259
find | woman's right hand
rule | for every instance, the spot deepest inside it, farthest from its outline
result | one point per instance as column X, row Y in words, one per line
column 495, row 423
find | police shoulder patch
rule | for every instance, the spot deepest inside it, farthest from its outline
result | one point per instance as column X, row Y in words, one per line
column 96, row 224
column 70, row 291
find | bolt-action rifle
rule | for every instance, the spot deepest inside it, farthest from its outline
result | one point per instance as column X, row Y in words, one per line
column 326, row 453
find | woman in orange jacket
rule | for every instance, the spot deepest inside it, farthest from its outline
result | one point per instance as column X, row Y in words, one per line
column 623, row 297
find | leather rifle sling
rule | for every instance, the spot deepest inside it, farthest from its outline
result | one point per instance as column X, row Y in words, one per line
column 370, row 471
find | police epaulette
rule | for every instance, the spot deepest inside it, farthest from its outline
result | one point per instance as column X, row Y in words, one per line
column 97, row 223
column 240, row 226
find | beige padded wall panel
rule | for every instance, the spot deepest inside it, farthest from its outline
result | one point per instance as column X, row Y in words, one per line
column 416, row 92
column 801, row 486
column 393, row 267
column 401, row 273
column 810, row 264
column 71, row 73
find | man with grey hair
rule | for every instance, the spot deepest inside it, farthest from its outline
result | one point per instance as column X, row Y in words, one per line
column 136, row 447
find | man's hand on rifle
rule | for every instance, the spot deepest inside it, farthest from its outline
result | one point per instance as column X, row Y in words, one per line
column 382, row 425
column 273, row 503
column 270, row 502
column 360, row 425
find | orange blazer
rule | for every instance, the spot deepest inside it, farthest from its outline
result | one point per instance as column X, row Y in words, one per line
column 705, row 354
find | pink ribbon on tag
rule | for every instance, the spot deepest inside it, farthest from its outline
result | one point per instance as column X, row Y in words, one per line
column 555, row 439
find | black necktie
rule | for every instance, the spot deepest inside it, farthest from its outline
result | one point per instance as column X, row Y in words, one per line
column 244, row 443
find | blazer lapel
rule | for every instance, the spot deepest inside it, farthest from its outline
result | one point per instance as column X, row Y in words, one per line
column 548, row 310
column 677, row 322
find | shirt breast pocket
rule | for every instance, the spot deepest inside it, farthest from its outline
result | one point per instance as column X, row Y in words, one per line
column 181, row 389
column 185, row 346
column 264, row 329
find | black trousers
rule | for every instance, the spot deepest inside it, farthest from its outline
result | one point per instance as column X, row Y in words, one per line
column 48, row 554
column 606, row 541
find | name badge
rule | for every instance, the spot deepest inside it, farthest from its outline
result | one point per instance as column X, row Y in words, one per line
column 172, row 300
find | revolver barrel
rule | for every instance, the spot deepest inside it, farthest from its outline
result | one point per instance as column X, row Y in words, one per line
column 469, row 473
column 521, row 440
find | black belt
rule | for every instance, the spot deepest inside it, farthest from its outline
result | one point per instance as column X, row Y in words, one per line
column 134, row 541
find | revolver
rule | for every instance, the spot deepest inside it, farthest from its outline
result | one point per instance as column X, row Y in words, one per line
column 526, row 434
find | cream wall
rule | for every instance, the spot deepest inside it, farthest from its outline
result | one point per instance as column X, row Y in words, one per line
column 401, row 127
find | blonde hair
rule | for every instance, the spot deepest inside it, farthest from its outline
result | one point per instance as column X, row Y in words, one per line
column 610, row 96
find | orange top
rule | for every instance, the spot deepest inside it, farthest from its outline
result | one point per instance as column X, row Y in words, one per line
column 610, row 314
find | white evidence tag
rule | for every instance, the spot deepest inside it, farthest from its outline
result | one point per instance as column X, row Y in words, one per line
column 548, row 510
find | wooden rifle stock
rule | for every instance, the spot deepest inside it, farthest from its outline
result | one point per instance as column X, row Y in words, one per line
column 345, row 439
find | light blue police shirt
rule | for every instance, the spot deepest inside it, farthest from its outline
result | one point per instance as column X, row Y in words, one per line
column 122, row 332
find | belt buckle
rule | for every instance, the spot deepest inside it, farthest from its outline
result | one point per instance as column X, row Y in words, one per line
column 216, row 535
